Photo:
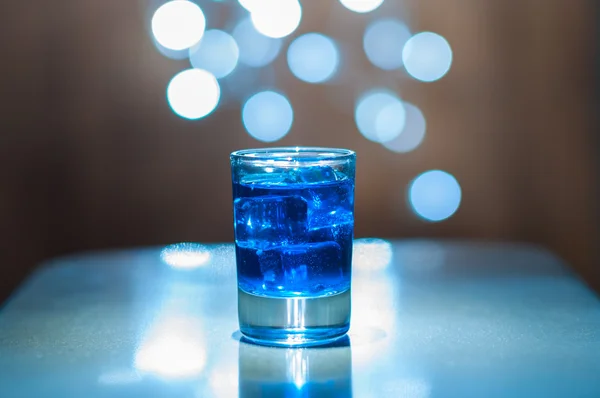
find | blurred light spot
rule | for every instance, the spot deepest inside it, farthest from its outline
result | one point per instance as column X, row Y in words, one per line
column 427, row 56
column 185, row 255
column 361, row 6
column 178, row 24
column 173, row 350
column 371, row 254
column 224, row 382
column 193, row 93
column 413, row 133
column 313, row 57
column 217, row 53
column 172, row 54
column 375, row 315
column 255, row 49
column 383, row 43
column 390, row 121
column 248, row 4
column 380, row 115
column 434, row 195
column 276, row 18
column 267, row 116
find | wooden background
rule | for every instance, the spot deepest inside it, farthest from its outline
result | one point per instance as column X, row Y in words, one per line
column 92, row 157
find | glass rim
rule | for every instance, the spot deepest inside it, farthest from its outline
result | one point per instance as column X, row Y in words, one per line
column 295, row 155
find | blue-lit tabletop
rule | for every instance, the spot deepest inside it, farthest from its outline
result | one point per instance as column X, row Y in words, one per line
column 429, row 319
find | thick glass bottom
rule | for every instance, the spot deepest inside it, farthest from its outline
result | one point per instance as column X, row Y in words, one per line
column 293, row 321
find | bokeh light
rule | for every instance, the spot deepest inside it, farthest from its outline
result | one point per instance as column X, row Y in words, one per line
column 174, row 349
column 167, row 52
column 375, row 314
column 380, row 115
column 413, row 133
column 267, row 116
column 193, row 93
column 224, row 382
column 185, row 255
column 255, row 49
column 248, row 4
column 427, row 56
column 276, row 18
column 434, row 195
column 178, row 24
column 217, row 52
column 371, row 254
column 383, row 42
column 313, row 58
column 361, row 6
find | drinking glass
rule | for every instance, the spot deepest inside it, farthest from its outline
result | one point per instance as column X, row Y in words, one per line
column 294, row 225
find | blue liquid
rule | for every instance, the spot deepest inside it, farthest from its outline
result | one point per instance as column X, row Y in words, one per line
column 293, row 235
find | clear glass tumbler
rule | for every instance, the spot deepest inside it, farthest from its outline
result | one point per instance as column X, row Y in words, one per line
column 294, row 225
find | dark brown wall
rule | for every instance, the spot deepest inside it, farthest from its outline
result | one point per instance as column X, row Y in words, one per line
column 92, row 157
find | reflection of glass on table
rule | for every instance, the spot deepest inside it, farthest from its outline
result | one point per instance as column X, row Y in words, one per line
column 294, row 223
column 295, row 372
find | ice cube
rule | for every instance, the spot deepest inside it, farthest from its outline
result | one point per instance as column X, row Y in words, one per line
column 336, row 225
column 323, row 202
column 302, row 263
column 330, row 219
column 266, row 179
column 294, row 267
column 271, row 268
column 311, row 175
column 267, row 221
column 338, row 233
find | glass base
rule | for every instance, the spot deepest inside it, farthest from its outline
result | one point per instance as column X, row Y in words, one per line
column 293, row 321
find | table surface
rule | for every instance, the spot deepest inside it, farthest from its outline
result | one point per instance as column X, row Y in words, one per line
column 429, row 319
